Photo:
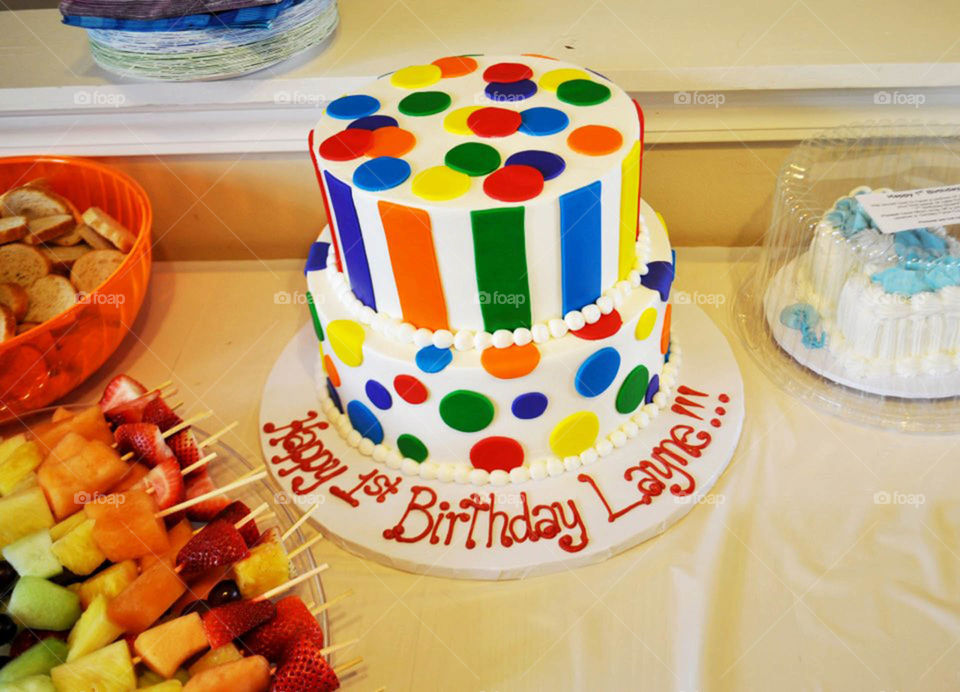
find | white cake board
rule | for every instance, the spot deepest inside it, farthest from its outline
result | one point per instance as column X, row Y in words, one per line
column 782, row 292
column 621, row 500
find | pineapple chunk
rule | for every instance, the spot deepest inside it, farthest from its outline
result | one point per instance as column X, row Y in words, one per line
column 58, row 531
column 77, row 551
column 228, row 653
column 107, row 670
column 19, row 465
column 23, row 513
column 9, row 445
column 93, row 630
column 109, row 582
column 267, row 566
column 165, row 686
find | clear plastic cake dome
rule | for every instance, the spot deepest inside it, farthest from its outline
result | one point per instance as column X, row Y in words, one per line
column 854, row 304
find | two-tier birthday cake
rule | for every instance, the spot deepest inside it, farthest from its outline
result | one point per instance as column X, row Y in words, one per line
column 491, row 295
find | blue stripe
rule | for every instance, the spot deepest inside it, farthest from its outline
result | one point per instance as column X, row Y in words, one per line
column 351, row 240
column 580, row 247
column 317, row 257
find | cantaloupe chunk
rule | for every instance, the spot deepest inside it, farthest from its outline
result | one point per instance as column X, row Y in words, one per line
column 127, row 526
column 88, row 423
column 164, row 647
column 178, row 536
column 71, row 483
column 142, row 603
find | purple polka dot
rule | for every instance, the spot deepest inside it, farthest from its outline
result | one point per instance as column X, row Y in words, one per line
column 652, row 389
column 529, row 405
column 379, row 395
column 549, row 164
column 373, row 122
column 507, row 92
column 334, row 396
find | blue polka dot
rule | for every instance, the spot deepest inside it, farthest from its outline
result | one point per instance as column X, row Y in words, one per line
column 381, row 173
column 351, row 107
column 542, row 121
column 549, row 164
column 334, row 396
column 508, row 92
column 529, row 405
column 433, row 359
column 379, row 395
column 652, row 389
column 373, row 122
column 364, row 422
column 597, row 372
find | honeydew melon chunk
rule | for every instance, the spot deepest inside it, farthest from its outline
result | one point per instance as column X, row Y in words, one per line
column 31, row 683
column 42, row 605
column 39, row 659
column 94, row 630
column 109, row 669
column 32, row 556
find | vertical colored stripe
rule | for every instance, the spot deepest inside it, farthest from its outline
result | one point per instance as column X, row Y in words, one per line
column 629, row 208
column 640, row 162
column 326, row 202
column 414, row 261
column 580, row 247
column 499, row 251
column 351, row 240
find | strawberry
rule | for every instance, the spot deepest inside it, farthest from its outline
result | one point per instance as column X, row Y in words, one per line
column 225, row 623
column 271, row 535
column 217, row 544
column 305, row 669
column 184, row 446
column 145, row 441
column 120, row 390
column 236, row 511
column 27, row 638
column 161, row 415
column 294, row 621
column 129, row 411
column 167, row 483
column 198, row 483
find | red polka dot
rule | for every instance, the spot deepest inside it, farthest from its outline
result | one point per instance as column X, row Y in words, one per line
column 410, row 389
column 507, row 72
column 493, row 122
column 607, row 325
column 514, row 183
column 346, row 145
column 496, row 454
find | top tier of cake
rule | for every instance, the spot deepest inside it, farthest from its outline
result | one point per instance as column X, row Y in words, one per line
column 482, row 192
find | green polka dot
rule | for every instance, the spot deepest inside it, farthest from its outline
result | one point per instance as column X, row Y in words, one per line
column 410, row 446
column 582, row 92
column 424, row 103
column 317, row 327
column 632, row 390
column 466, row 411
column 473, row 158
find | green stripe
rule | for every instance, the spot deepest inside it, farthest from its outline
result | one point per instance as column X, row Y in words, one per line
column 501, row 257
column 316, row 318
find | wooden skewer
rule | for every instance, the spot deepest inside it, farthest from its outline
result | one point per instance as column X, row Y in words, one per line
column 333, row 648
column 217, row 435
column 199, row 463
column 174, row 407
column 182, row 425
column 213, row 493
column 249, row 473
column 344, row 667
column 300, row 548
column 298, row 523
column 293, row 582
column 252, row 515
column 317, row 609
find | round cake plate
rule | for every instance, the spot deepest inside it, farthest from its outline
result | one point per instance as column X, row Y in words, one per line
column 781, row 292
column 517, row 530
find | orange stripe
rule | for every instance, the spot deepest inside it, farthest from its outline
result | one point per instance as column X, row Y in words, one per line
column 414, row 261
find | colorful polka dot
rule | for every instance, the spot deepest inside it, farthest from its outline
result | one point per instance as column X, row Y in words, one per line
column 595, row 140
column 381, row 173
column 331, row 370
column 549, row 164
column 542, row 121
column 391, row 141
column 412, row 447
column 424, row 103
column 530, row 405
column 652, row 389
column 665, row 333
column 466, row 411
column 410, row 389
column 315, row 318
column 372, row 122
column 364, row 421
column 507, row 72
column 633, row 390
column 597, row 372
column 346, row 145
column 493, row 122
column 456, row 121
column 645, row 324
column 334, row 395
column 496, row 454
column 379, row 395
column 554, row 78
column 346, row 337
column 511, row 362
column 583, row 92
column 416, row 76
column 473, row 158
column 455, row 66
column 440, row 183
column 514, row 184
column 432, row 359
column 575, row 433
column 352, row 107
column 509, row 92
column 607, row 325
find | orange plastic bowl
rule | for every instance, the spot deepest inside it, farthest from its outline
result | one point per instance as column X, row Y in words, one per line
column 45, row 363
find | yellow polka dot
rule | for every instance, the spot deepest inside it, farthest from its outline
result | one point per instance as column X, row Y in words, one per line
column 645, row 324
column 416, row 76
column 440, row 183
column 456, row 121
column 346, row 338
column 554, row 78
column 574, row 434
column 662, row 223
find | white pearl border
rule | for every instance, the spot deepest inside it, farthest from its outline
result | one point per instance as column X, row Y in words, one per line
column 463, row 472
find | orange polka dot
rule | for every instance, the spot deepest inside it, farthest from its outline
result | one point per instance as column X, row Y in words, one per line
column 510, row 362
column 595, row 140
column 331, row 370
column 455, row 65
column 391, row 141
column 665, row 334
column 537, row 55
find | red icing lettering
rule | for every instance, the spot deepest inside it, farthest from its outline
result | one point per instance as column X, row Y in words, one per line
column 305, row 452
column 374, row 484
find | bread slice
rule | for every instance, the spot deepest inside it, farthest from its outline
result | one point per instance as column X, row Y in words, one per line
column 34, row 203
column 15, row 297
column 13, row 228
column 22, row 264
column 49, row 296
column 62, row 258
column 8, row 324
column 48, row 228
column 111, row 229
column 94, row 239
column 70, row 238
column 94, row 268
